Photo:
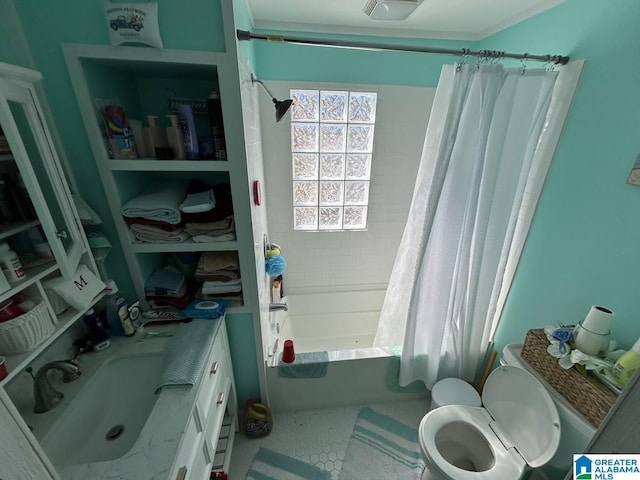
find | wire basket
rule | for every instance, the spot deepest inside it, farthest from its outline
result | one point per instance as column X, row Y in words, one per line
column 27, row 331
column 590, row 397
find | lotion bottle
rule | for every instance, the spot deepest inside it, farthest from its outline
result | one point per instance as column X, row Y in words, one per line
column 176, row 139
column 627, row 365
column 185, row 114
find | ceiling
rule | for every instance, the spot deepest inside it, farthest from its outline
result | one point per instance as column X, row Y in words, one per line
column 445, row 19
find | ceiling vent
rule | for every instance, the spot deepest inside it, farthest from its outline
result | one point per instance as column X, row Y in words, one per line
column 390, row 9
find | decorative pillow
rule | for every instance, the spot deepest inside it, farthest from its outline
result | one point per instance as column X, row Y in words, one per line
column 80, row 291
column 133, row 22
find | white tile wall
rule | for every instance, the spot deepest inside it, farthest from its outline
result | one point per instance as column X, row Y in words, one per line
column 255, row 171
column 348, row 258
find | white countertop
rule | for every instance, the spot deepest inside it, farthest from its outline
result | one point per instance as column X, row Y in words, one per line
column 152, row 455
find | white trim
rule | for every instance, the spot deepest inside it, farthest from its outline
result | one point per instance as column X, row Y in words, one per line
column 519, row 17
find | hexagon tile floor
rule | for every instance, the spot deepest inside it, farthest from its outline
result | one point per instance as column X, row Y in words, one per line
column 319, row 437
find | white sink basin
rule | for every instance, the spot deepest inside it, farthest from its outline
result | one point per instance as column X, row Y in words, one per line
column 105, row 418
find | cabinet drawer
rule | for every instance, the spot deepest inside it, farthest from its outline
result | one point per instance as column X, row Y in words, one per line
column 202, row 464
column 216, row 413
column 216, row 369
column 188, row 448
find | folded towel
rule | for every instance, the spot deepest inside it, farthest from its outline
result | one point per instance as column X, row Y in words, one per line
column 150, row 234
column 155, row 223
column 306, row 365
column 214, row 261
column 211, row 289
column 227, row 237
column 198, row 202
column 164, row 282
column 159, row 201
column 224, row 205
column 224, row 225
column 186, row 353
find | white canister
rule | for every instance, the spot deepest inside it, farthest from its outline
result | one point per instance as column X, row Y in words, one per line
column 11, row 263
column 598, row 320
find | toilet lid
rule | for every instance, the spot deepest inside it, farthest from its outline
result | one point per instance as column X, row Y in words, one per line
column 524, row 411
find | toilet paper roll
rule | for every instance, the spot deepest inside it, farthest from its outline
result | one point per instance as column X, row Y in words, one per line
column 598, row 320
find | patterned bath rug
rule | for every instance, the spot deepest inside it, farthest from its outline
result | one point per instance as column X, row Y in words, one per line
column 381, row 447
column 270, row 465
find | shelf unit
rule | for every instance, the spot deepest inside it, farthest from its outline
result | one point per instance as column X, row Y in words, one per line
column 139, row 79
column 33, row 162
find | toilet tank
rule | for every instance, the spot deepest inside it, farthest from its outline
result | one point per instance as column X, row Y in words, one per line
column 575, row 430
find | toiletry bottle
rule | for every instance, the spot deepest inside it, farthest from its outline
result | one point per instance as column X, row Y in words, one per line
column 627, row 365
column 97, row 333
column 11, row 264
column 123, row 312
column 185, row 114
column 154, row 136
column 176, row 139
column 257, row 419
column 141, row 144
column 214, row 106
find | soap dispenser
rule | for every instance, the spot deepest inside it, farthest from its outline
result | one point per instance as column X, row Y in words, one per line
column 155, row 137
column 176, row 139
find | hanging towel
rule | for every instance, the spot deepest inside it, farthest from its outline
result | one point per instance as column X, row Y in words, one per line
column 306, row 365
column 186, row 353
column 198, row 202
column 159, row 201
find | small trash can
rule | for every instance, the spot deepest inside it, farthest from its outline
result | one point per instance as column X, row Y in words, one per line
column 453, row 391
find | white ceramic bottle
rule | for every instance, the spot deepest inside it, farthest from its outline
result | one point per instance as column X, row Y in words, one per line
column 11, row 264
column 154, row 136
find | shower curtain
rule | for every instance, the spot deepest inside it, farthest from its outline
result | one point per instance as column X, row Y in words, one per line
column 488, row 146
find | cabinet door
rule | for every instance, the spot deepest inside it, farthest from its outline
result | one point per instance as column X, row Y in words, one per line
column 30, row 142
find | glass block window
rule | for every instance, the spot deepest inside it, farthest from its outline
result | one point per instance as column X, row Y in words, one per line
column 331, row 145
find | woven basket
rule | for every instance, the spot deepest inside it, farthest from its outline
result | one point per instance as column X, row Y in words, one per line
column 590, row 397
column 27, row 331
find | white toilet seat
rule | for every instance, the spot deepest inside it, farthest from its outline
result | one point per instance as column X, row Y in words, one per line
column 507, row 464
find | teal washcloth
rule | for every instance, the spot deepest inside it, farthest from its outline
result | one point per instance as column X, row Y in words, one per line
column 306, row 365
column 186, row 353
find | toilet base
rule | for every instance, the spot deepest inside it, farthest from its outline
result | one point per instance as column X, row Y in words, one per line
column 429, row 475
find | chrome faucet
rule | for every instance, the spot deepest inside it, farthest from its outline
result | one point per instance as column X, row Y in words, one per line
column 275, row 307
column 45, row 395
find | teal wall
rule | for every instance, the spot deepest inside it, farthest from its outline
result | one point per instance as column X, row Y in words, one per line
column 243, row 356
column 584, row 244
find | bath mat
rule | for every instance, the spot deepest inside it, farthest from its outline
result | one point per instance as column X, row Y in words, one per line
column 306, row 365
column 270, row 465
column 382, row 447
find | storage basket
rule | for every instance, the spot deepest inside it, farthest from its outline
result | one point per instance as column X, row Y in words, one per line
column 590, row 397
column 27, row 331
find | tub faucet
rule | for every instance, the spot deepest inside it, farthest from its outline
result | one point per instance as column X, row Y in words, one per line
column 275, row 307
column 46, row 396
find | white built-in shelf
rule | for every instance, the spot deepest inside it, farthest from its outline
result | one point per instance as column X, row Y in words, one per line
column 153, row 165
column 188, row 246
column 18, row 227
column 33, row 275
column 16, row 363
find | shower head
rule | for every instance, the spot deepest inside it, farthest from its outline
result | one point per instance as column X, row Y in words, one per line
column 282, row 107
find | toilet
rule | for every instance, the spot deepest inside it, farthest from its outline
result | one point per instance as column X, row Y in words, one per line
column 516, row 428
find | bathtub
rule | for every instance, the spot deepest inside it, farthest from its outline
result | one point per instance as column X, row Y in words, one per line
column 344, row 324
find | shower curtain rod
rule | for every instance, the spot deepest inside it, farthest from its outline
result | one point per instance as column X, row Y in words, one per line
column 321, row 42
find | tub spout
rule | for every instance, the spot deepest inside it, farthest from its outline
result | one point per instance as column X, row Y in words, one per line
column 275, row 307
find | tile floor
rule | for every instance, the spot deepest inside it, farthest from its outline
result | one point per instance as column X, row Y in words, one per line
column 319, row 436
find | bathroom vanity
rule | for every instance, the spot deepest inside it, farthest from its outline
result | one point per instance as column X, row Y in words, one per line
column 112, row 424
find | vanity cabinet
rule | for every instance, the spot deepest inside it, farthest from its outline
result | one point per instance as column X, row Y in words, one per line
column 29, row 164
column 208, row 437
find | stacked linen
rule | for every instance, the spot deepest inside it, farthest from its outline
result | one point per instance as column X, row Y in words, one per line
column 219, row 273
column 208, row 212
column 167, row 290
column 154, row 216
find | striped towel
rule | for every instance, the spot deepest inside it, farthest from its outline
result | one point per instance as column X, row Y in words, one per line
column 270, row 465
column 381, row 447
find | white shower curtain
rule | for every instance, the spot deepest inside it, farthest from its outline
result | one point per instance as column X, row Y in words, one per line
column 484, row 161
